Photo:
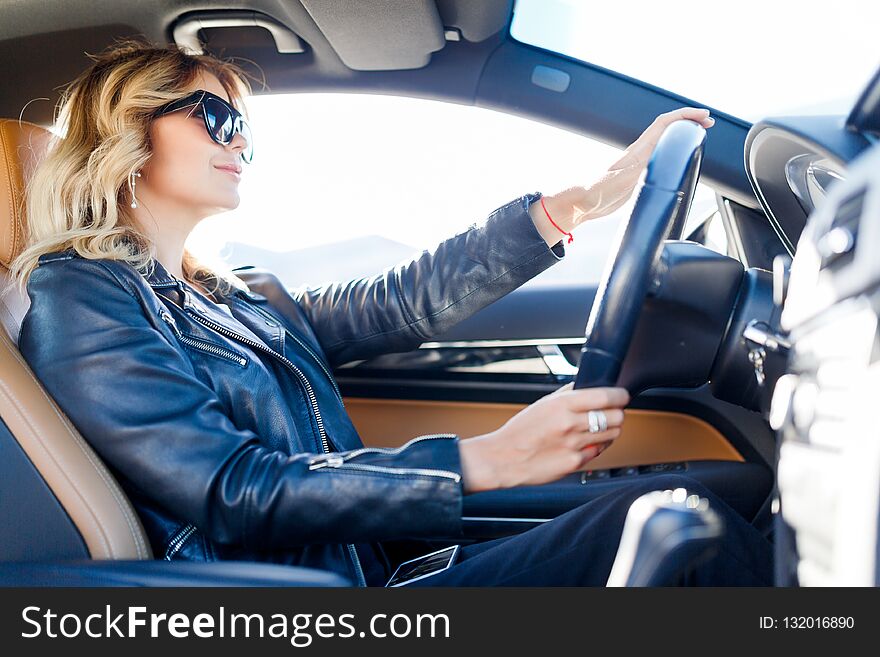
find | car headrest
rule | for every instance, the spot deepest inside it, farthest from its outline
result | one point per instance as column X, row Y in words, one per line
column 22, row 146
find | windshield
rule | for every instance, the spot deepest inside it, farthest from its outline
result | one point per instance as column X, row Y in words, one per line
column 758, row 58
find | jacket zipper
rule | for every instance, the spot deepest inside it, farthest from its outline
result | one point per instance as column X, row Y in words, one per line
column 396, row 450
column 202, row 345
column 178, row 540
column 325, row 444
column 304, row 346
column 341, row 465
column 313, row 400
column 338, row 461
column 214, row 349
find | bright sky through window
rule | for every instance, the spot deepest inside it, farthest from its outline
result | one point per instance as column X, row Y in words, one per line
column 749, row 58
column 395, row 173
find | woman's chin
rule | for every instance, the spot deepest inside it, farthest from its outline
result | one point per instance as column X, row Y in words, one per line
column 228, row 202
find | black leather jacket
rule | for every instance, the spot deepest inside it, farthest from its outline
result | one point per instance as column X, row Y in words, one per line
column 228, row 432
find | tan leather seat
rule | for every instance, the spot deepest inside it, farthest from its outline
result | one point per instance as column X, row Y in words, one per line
column 79, row 481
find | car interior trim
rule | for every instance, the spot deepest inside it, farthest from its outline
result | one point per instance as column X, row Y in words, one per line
column 648, row 436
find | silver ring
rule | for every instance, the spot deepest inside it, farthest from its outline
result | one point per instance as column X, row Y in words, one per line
column 597, row 420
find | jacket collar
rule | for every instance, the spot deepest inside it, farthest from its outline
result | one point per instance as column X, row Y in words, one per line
column 160, row 276
column 192, row 301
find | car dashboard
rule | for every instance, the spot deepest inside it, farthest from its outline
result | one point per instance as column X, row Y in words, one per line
column 818, row 180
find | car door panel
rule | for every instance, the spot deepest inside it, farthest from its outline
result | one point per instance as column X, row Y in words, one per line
column 489, row 367
column 648, row 436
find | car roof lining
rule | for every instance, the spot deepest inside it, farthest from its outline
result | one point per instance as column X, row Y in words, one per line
column 486, row 67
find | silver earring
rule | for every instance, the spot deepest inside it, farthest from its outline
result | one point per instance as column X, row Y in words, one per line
column 131, row 183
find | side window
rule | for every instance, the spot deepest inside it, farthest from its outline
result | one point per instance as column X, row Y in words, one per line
column 704, row 223
column 345, row 185
column 715, row 237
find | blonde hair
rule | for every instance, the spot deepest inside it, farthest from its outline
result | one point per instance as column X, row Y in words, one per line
column 79, row 195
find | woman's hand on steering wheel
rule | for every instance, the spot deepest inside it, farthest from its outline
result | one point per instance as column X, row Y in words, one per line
column 553, row 437
column 547, row 440
column 578, row 204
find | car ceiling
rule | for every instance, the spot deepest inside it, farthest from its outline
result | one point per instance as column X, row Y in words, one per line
column 342, row 40
column 453, row 50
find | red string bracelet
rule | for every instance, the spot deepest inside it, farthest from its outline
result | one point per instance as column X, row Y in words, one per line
column 570, row 236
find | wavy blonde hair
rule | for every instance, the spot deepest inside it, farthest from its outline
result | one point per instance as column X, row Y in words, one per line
column 79, row 193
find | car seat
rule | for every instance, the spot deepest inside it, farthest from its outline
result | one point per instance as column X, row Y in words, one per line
column 61, row 510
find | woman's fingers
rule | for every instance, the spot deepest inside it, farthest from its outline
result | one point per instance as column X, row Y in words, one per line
column 700, row 115
column 692, row 113
column 642, row 147
column 603, row 447
column 588, row 399
column 617, row 185
column 584, row 439
column 565, row 388
column 637, row 154
column 600, row 447
column 591, row 451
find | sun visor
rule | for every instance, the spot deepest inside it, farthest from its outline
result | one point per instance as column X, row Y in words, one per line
column 378, row 35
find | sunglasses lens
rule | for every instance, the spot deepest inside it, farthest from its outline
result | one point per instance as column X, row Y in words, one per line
column 219, row 120
column 222, row 126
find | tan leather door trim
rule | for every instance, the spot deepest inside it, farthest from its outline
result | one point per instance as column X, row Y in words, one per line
column 647, row 437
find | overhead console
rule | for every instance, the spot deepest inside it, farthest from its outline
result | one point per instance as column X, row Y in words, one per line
column 366, row 36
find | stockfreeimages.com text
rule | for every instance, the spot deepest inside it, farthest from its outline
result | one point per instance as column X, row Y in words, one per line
column 301, row 629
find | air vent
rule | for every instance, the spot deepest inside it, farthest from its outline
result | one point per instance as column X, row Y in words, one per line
column 837, row 247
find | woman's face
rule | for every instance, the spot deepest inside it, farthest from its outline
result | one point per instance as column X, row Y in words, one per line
column 182, row 181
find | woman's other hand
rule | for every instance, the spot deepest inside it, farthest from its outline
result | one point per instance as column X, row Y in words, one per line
column 578, row 204
column 545, row 441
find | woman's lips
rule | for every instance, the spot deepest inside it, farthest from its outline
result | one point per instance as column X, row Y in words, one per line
column 230, row 171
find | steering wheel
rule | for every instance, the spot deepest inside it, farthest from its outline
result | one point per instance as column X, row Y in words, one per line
column 659, row 214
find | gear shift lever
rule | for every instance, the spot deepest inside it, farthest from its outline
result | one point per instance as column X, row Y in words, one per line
column 664, row 533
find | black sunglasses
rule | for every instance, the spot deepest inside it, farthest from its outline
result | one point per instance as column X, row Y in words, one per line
column 222, row 120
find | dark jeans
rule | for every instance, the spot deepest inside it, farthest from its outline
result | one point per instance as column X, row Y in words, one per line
column 578, row 548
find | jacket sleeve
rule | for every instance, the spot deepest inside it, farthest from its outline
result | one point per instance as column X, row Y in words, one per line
column 118, row 374
column 415, row 301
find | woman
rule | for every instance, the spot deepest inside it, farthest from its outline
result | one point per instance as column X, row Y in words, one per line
column 213, row 403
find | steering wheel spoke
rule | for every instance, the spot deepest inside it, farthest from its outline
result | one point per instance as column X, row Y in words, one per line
column 659, row 213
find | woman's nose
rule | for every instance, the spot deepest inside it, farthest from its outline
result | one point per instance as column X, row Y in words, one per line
column 238, row 143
